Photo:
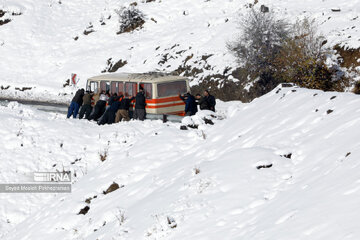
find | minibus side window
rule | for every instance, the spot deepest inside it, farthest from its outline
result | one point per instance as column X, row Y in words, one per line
column 171, row 88
column 147, row 89
column 104, row 86
column 114, row 87
column 93, row 87
column 120, row 88
column 130, row 89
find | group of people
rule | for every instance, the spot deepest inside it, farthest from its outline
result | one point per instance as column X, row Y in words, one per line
column 205, row 102
column 106, row 108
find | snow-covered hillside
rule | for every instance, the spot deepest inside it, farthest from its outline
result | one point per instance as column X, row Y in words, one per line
column 40, row 48
column 282, row 167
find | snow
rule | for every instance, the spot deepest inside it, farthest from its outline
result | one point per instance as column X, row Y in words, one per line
column 280, row 167
column 38, row 49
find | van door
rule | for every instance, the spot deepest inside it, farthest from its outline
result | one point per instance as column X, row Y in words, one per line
column 130, row 89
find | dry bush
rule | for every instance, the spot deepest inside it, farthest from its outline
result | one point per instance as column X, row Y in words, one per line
column 260, row 41
column 302, row 60
column 130, row 19
column 271, row 51
column 257, row 47
column 103, row 156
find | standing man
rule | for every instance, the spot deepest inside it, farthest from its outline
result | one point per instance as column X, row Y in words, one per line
column 201, row 101
column 210, row 99
column 76, row 103
column 190, row 104
column 140, row 105
column 86, row 107
column 99, row 108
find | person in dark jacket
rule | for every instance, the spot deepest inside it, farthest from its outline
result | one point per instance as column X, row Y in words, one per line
column 76, row 103
column 112, row 99
column 203, row 104
column 140, row 104
column 109, row 115
column 86, row 107
column 190, row 104
column 123, row 112
column 210, row 99
column 109, row 100
column 99, row 108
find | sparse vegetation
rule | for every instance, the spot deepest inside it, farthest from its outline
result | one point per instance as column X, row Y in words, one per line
column 103, row 156
column 258, row 46
column 120, row 216
column 302, row 60
column 348, row 57
column 113, row 67
column 271, row 51
column 130, row 19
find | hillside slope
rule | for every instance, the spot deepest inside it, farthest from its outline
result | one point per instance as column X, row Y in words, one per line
column 282, row 167
column 47, row 40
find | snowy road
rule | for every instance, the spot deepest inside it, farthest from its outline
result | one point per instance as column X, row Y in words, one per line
column 43, row 106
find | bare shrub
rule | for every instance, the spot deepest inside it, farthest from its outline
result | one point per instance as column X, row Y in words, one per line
column 261, row 39
column 130, row 19
column 302, row 59
column 258, row 45
column 103, row 156
column 272, row 51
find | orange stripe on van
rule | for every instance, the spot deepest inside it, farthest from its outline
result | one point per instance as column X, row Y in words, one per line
column 163, row 100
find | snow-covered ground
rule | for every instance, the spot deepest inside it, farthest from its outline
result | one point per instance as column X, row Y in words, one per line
column 38, row 50
column 205, row 183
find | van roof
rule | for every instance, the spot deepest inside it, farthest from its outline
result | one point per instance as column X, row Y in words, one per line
column 138, row 77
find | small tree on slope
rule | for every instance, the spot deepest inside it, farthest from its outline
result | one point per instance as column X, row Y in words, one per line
column 302, row 59
column 130, row 19
column 273, row 51
column 260, row 42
